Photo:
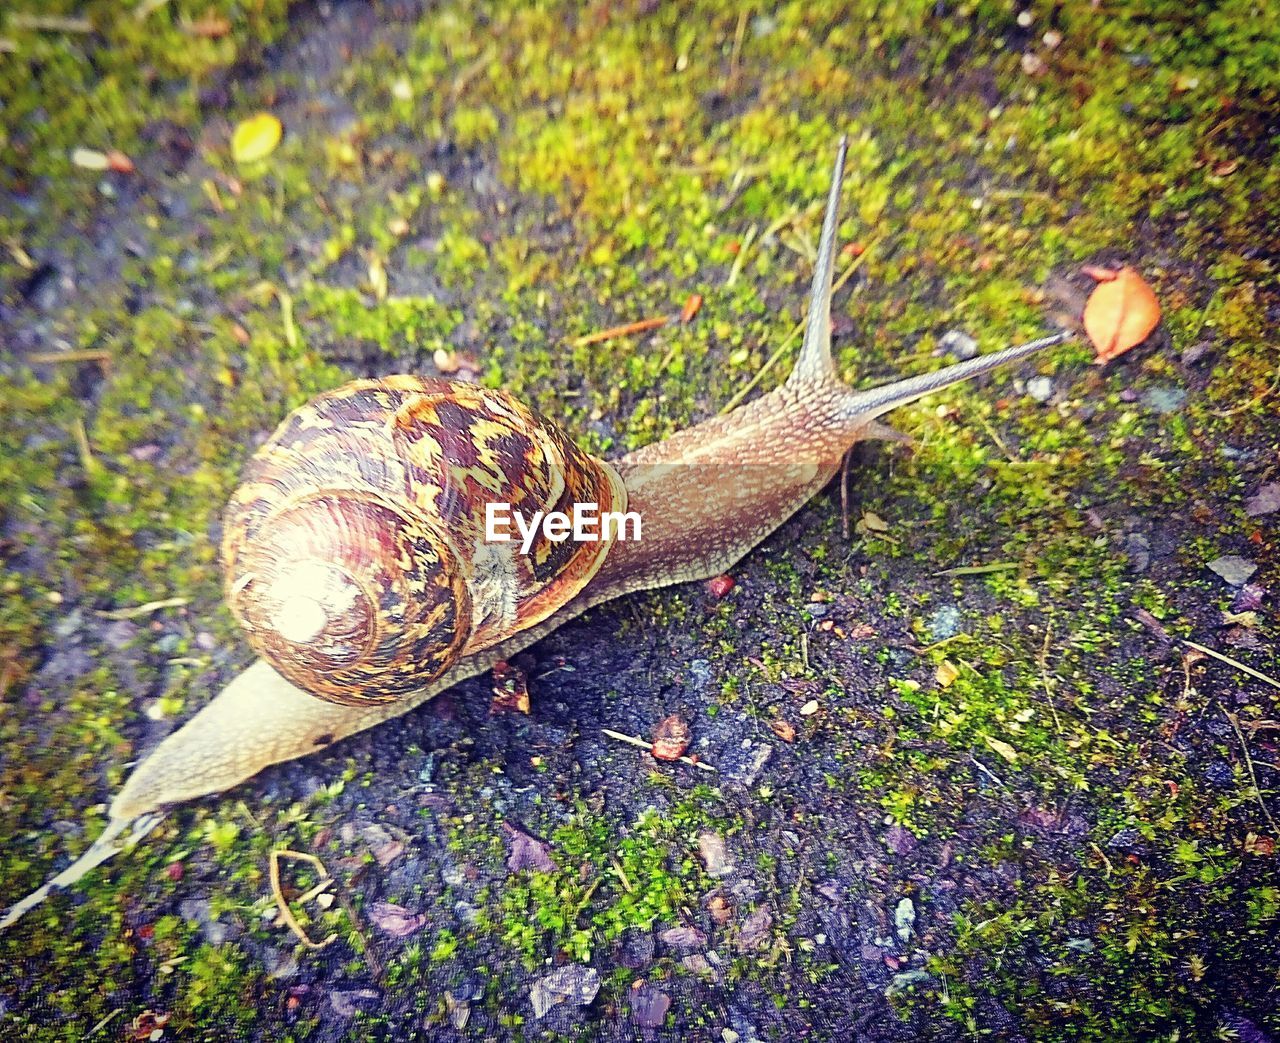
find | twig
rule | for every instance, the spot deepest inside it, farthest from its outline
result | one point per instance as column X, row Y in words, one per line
column 987, row 772
column 845, row 466
column 626, row 884
column 1043, row 660
column 736, row 269
column 285, row 912
column 795, row 332
column 1102, row 855
column 144, row 610
column 995, row 437
column 1261, row 396
column 102, row 1023
column 1233, row 662
column 735, row 54
column 640, row 744
column 625, row 330
column 83, row 447
column 979, row 570
column 1248, row 763
column 48, row 23
column 51, row 358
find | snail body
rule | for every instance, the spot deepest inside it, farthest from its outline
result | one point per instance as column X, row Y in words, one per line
column 355, row 564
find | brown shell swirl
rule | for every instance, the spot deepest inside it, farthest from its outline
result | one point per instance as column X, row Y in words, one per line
column 354, row 549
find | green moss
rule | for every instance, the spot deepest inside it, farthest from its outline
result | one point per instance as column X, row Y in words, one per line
column 641, row 158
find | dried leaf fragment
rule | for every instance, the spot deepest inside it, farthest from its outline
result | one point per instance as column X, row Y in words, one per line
column 255, row 138
column 527, row 853
column 510, row 689
column 783, row 729
column 1120, row 313
column 396, row 920
column 947, row 673
column 90, row 159
column 210, row 26
column 1003, row 748
column 670, row 738
column 691, row 307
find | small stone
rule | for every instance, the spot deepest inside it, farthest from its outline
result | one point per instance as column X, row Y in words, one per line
column 1197, row 353
column 900, row 841
column 1265, row 501
column 1025, row 18
column 1234, row 569
column 1040, row 389
column 904, row 919
column 1165, row 399
column 906, row 979
column 1127, row 837
column 683, row 937
column 756, row 929
column 959, row 344
column 729, row 1036
column 649, row 1007
column 1219, row 773
column 711, row 848
column 1032, row 63
column 572, row 983
column 945, row 622
column 459, row 1010
column 1249, row 598
column 697, row 963
column 1052, row 39
column 637, row 949
column 748, row 775
column 346, row 1001
column 281, row 965
column 1138, row 550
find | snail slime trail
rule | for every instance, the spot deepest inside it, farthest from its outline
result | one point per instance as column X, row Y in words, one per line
column 586, row 523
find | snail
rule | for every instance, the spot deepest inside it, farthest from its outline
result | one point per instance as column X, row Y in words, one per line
column 356, row 558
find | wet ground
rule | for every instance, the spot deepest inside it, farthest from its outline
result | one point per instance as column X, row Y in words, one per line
column 1003, row 802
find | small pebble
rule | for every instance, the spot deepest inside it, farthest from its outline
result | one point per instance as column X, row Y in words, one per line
column 904, row 919
column 1040, row 389
column 1165, row 399
column 945, row 622
column 1219, row 773
column 959, row 344
column 1233, row 568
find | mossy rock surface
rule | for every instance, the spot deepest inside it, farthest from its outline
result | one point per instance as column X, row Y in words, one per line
column 1079, row 814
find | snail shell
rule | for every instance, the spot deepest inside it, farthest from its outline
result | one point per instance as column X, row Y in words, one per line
column 354, row 550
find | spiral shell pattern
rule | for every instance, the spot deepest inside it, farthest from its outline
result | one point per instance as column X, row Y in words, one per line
column 354, row 550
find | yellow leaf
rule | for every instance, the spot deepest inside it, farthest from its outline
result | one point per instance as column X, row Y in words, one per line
column 872, row 522
column 255, row 138
column 1003, row 748
column 947, row 673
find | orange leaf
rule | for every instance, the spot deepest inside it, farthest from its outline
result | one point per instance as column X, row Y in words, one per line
column 1120, row 313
